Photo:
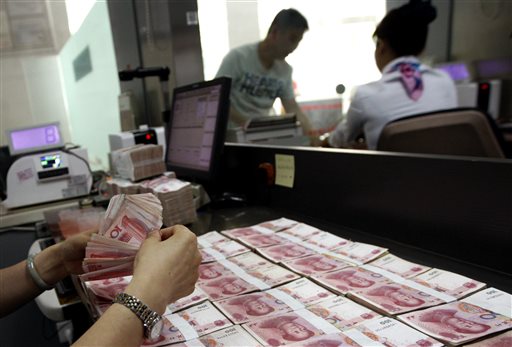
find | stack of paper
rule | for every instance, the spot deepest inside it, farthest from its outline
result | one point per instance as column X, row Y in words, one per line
column 139, row 161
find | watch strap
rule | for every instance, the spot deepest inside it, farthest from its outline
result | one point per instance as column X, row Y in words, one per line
column 148, row 317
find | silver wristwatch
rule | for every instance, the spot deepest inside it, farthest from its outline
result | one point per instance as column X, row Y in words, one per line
column 152, row 321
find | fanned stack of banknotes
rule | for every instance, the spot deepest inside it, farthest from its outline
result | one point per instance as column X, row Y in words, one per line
column 138, row 162
column 127, row 222
column 176, row 196
column 285, row 283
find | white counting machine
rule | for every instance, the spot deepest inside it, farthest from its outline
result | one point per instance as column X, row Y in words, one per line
column 44, row 171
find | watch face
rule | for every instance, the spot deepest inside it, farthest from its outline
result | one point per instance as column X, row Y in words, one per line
column 156, row 330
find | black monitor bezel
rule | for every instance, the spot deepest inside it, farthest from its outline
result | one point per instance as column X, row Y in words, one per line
column 219, row 135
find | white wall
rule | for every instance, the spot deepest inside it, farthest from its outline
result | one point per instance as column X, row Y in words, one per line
column 93, row 100
column 31, row 93
column 482, row 30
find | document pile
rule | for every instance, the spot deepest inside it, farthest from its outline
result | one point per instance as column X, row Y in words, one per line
column 127, row 222
column 138, row 162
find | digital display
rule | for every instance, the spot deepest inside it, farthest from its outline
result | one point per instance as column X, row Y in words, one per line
column 33, row 139
column 51, row 161
column 193, row 127
column 457, row 71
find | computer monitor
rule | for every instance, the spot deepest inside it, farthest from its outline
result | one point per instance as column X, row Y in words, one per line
column 197, row 127
column 458, row 71
column 38, row 138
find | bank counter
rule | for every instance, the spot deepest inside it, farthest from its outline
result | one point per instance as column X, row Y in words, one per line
column 450, row 213
column 454, row 213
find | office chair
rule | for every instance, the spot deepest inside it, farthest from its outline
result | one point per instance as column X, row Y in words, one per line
column 461, row 131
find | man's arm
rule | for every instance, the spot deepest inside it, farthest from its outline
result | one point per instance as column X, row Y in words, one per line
column 237, row 118
column 165, row 270
column 291, row 106
column 52, row 264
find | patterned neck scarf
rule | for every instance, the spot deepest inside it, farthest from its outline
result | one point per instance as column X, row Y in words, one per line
column 411, row 78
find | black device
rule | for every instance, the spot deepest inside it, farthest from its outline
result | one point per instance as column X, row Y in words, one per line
column 196, row 129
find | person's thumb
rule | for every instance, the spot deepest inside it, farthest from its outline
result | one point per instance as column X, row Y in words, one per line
column 154, row 236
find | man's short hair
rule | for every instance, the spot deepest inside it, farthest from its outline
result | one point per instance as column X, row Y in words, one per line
column 289, row 19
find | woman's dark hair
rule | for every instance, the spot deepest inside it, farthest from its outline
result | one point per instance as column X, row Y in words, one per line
column 405, row 28
column 289, row 19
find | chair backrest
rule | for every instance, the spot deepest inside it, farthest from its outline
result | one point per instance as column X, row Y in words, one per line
column 468, row 132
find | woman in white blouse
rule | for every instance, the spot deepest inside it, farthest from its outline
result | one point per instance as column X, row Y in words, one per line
column 407, row 86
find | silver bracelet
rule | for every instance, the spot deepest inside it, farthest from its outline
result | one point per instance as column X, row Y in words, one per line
column 35, row 276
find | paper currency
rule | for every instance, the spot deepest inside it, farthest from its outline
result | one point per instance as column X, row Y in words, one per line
column 197, row 297
column 343, row 313
column 287, row 328
column 284, row 251
column 127, row 222
column 138, row 162
column 210, row 238
column 190, row 324
column 302, row 231
column 305, row 291
column 247, row 231
column 212, row 271
column 229, row 337
column 457, row 322
column 449, row 282
column 390, row 333
column 262, row 240
column 222, row 250
column 225, row 287
column 316, row 264
column 329, row 340
column 349, row 279
column 327, row 241
column 392, row 298
column 359, row 252
column 399, row 266
column 272, row 274
column 248, row 307
column 278, row 224
column 249, row 260
column 492, row 299
column 501, row 340
column 102, row 292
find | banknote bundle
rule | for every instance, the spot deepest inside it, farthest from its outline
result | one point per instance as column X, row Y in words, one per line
column 287, row 328
column 190, row 324
column 215, row 246
column 248, row 307
column 492, row 299
column 127, row 222
column 232, row 336
column 399, row 266
column 138, row 162
column 316, row 264
column 342, row 312
column 448, row 282
column 305, row 291
column 223, row 279
column 117, row 185
column 255, row 236
column 389, row 332
column 177, row 201
column 457, row 322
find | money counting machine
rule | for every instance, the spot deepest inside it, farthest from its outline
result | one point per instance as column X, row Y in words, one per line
column 275, row 130
column 44, row 171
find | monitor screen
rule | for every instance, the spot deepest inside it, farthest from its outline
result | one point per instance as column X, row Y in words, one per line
column 457, row 71
column 196, row 128
column 34, row 139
